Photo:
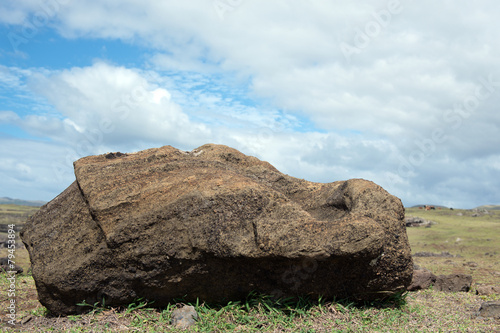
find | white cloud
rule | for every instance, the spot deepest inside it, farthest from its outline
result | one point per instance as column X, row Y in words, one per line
column 111, row 104
column 18, row 12
column 8, row 117
column 292, row 51
column 160, row 94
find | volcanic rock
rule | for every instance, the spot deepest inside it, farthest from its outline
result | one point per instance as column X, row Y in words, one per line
column 487, row 290
column 212, row 224
column 7, row 265
column 422, row 279
column 490, row 309
column 453, row 283
column 443, row 254
column 414, row 221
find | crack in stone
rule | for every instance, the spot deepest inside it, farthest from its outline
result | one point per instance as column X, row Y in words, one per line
column 92, row 215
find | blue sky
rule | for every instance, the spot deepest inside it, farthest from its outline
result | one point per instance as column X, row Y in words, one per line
column 402, row 93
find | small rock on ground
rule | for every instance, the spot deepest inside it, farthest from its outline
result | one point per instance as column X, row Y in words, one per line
column 184, row 317
column 487, row 290
column 453, row 283
column 7, row 266
column 490, row 309
column 422, row 279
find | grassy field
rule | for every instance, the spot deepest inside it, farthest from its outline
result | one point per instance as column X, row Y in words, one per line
column 475, row 239
column 15, row 214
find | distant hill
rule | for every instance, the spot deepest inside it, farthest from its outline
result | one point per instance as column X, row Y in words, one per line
column 489, row 207
column 10, row 201
column 437, row 206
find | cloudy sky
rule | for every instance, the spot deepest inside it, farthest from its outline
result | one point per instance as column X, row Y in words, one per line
column 403, row 93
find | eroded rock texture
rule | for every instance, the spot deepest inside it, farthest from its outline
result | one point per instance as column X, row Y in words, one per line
column 212, row 224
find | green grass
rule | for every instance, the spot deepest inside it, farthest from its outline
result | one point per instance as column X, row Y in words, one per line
column 424, row 311
column 419, row 315
column 475, row 239
column 17, row 215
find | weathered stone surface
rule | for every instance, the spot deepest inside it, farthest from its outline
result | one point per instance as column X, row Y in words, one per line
column 453, row 283
column 422, row 279
column 212, row 224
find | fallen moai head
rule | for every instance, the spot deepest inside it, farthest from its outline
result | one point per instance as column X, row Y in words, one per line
column 212, row 224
